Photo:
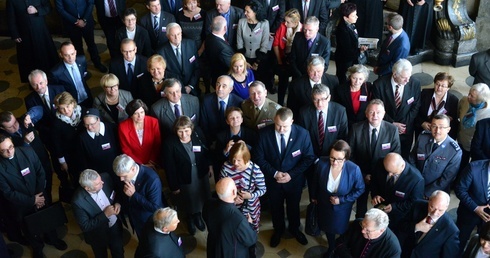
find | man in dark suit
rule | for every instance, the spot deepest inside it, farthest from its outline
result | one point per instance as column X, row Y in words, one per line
column 274, row 12
column 428, row 231
column 231, row 14
column 284, row 152
column 299, row 90
column 128, row 80
column 156, row 22
column 142, row 190
column 366, row 152
column 78, row 22
column 172, row 6
column 480, row 67
column 70, row 73
column 158, row 237
column 109, row 15
column 325, row 121
column 401, row 97
column 480, row 143
column 317, row 8
column 22, row 184
column 395, row 187
column 176, row 104
column 218, row 50
column 307, row 44
column 181, row 57
column 474, row 198
column 230, row 234
column 394, row 48
column 437, row 156
column 96, row 212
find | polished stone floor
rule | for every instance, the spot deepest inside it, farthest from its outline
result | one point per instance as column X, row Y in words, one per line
column 12, row 92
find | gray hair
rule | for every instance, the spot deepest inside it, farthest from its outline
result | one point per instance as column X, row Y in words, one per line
column 320, row 89
column 442, row 194
column 230, row 80
column 171, row 26
column 395, row 20
column 312, row 20
column 402, row 65
column 482, row 90
column 316, row 60
column 379, row 217
column 376, row 102
column 36, row 72
column 163, row 217
column 257, row 84
column 358, row 68
column 218, row 23
column 122, row 164
column 87, row 177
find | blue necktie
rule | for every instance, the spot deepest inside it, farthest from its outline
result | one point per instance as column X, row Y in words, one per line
column 283, row 145
column 155, row 25
column 222, row 107
column 177, row 111
column 130, row 74
column 82, row 95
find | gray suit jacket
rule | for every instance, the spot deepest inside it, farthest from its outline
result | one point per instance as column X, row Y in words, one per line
column 166, row 116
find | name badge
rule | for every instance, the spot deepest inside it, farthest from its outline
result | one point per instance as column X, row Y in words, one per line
column 164, row 29
column 257, row 31
column 139, row 75
column 362, row 98
column 410, row 100
column 113, row 195
column 85, row 74
column 193, row 118
column 235, row 26
column 332, row 129
column 25, row 171
column 399, row 194
column 196, row 148
column 192, row 59
column 179, row 241
column 313, row 54
column 197, row 16
column 386, row 146
column 119, row 107
column 275, row 8
column 106, row 146
column 420, row 156
column 261, row 125
column 181, row 8
column 296, row 153
column 162, row 94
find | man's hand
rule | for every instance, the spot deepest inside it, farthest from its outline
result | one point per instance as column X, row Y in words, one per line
column 80, row 23
column 480, row 211
column 28, row 138
column 387, row 208
column 334, row 200
column 39, row 200
column 31, row 10
column 282, row 177
column 402, row 128
column 377, row 200
column 228, row 146
column 409, row 3
column 27, row 121
column 117, row 208
column 109, row 211
column 367, row 179
column 421, row 2
column 129, row 189
column 188, row 89
column 18, row 40
column 423, row 226
column 238, row 199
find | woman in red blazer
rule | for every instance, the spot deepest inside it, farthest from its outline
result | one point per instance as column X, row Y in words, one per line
column 140, row 135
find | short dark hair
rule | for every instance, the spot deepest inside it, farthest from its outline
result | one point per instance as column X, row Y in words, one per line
column 134, row 105
column 258, row 9
column 4, row 137
column 130, row 11
column 347, row 8
column 284, row 113
column 485, row 231
column 443, row 76
column 343, row 146
column 147, row 2
column 183, row 122
column 170, row 82
column 231, row 109
column 5, row 117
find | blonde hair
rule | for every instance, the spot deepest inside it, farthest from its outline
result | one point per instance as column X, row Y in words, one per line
column 235, row 58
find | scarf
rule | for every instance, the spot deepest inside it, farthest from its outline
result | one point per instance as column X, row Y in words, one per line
column 74, row 120
column 469, row 120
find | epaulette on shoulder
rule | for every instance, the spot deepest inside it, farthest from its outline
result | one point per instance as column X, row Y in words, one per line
column 455, row 145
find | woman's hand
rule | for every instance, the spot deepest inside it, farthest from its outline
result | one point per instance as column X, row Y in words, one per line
column 245, row 195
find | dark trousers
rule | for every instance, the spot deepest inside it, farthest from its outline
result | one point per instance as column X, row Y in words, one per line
column 114, row 242
column 75, row 34
column 467, row 221
column 406, row 141
column 283, row 73
column 292, row 197
column 109, row 26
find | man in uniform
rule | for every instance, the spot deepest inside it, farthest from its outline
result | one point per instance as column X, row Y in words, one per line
column 258, row 110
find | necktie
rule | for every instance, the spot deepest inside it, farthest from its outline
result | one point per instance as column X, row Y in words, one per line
column 374, row 138
column 179, row 58
column 436, row 108
column 434, row 146
column 283, row 145
column 130, row 73
column 222, row 107
column 305, row 11
column 398, row 100
column 112, row 8
column 45, row 101
column 488, row 191
column 390, row 39
column 391, row 182
column 155, row 25
column 82, row 95
column 310, row 43
column 177, row 111
column 172, row 5
column 428, row 220
column 321, row 129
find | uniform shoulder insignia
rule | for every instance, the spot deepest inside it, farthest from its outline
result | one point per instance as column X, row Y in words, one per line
column 425, row 132
column 455, row 145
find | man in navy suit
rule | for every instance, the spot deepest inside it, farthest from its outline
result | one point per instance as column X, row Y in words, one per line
column 218, row 50
column 401, row 97
column 480, row 67
column 71, row 72
column 128, row 80
column 394, row 48
column 299, row 90
column 181, row 57
column 480, row 144
column 156, row 22
column 366, row 152
column 78, row 22
column 158, row 238
column 96, row 212
column 333, row 123
column 473, row 195
column 307, row 44
column 172, row 6
column 317, row 8
column 142, row 189
column 109, row 15
column 395, row 187
column 428, row 231
column 284, row 152
column 231, row 14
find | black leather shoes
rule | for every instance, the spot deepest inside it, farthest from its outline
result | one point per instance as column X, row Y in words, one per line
column 58, row 244
column 191, row 227
column 101, row 67
column 275, row 239
column 300, row 237
column 198, row 221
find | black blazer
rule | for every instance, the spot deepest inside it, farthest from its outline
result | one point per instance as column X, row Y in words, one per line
column 347, row 44
column 166, row 6
column 141, row 39
column 235, row 15
column 117, row 68
column 210, row 121
column 248, row 135
column 342, row 96
column 177, row 162
column 154, row 244
column 336, row 127
column 120, row 7
column 410, row 102
column 298, row 58
column 480, row 144
column 451, row 108
column 274, row 13
column 188, row 73
column 60, row 75
column 218, row 53
column 147, row 22
column 318, row 8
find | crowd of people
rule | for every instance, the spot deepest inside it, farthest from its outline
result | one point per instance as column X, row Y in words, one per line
column 348, row 140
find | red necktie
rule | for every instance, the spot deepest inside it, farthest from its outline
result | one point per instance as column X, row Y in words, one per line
column 398, row 100
column 321, row 129
column 112, row 8
column 428, row 220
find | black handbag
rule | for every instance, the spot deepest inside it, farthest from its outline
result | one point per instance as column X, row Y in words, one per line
column 46, row 219
column 311, row 227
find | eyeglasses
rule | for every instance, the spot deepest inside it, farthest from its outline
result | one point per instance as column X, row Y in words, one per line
column 441, row 85
column 111, row 87
column 338, row 160
column 434, row 127
column 128, row 51
column 365, row 229
column 320, row 100
column 9, row 149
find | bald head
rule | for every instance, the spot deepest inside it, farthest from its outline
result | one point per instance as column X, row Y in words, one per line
column 394, row 163
column 226, row 189
column 218, row 26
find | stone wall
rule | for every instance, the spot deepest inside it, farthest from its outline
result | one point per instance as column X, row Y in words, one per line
column 483, row 26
